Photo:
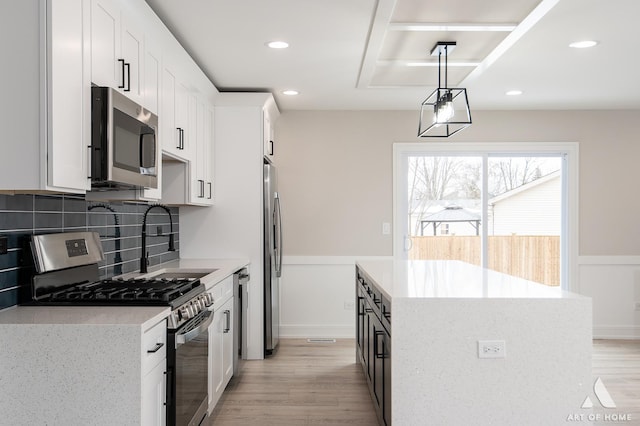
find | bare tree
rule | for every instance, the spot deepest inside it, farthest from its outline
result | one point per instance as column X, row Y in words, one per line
column 510, row 173
column 431, row 180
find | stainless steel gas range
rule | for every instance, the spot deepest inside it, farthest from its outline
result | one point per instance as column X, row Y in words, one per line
column 67, row 274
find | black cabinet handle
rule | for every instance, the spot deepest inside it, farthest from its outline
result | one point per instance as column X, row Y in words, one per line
column 128, row 67
column 156, row 348
column 376, row 346
column 270, row 147
column 179, row 146
column 227, row 327
column 123, row 81
column 201, row 194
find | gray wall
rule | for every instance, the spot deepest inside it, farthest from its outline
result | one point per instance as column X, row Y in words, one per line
column 335, row 174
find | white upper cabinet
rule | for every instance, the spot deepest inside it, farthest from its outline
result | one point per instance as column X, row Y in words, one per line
column 117, row 49
column 151, row 80
column 45, row 104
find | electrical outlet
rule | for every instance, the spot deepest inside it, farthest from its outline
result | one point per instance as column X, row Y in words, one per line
column 492, row 349
column 4, row 245
column 637, row 306
column 349, row 306
column 159, row 230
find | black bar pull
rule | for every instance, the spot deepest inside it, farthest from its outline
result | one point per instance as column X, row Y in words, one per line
column 227, row 327
column 201, row 194
column 376, row 345
column 128, row 66
column 179, row 146
column 123, row 81
column 156, row 348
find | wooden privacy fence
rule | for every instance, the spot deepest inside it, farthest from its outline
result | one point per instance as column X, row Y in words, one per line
column 532, row 257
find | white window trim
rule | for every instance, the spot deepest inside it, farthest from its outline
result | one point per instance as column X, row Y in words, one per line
column 569, row 150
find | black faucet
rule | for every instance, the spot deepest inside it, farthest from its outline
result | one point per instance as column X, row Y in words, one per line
column 117, row 268
column 144, row 256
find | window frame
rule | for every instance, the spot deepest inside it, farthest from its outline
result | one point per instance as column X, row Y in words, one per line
column 568, row 151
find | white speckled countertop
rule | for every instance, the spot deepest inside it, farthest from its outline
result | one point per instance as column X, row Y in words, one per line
column 217, row 269
column 452, row 279
column 143, row 316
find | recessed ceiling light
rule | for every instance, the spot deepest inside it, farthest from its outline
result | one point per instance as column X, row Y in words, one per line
column 513, row 92
column 583, row 44
column 278, row 44
column 290, row 92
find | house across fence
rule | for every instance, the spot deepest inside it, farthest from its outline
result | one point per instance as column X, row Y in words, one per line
column 532, row 257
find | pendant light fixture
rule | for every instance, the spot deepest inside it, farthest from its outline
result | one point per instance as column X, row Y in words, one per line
column 446, row 110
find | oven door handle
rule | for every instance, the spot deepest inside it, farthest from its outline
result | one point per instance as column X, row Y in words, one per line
column 188, row 336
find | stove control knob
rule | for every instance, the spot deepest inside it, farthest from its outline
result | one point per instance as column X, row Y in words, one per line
column 208, row 299
column 200, row 303
column 185, row 313
column 192, row 310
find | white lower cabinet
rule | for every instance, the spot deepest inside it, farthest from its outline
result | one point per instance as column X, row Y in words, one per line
column 221, row 331
column 154, row 381
column 154, row 390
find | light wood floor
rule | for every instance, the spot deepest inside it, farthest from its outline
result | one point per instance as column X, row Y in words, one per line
column 320, row 384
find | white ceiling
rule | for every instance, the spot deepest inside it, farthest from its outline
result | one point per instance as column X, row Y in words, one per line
column 353, row 54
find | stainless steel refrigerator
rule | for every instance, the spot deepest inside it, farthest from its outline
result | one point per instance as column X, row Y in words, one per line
column 272, row 258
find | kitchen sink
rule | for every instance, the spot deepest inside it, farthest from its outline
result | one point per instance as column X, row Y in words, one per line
column 183, row 274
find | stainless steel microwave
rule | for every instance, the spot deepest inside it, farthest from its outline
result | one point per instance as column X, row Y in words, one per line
column 124, row 142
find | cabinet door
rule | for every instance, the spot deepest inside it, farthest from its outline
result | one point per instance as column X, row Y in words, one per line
column 216, row 374
column 227, row 341
column 153, row 397
column 197, row 182
column 69, row 121
column 151, row 79
column 208, row 153
column 105, row 44
column 387, row 379
column 267, row 135
column 132, row 52
column 182, row 118
column 171, row 133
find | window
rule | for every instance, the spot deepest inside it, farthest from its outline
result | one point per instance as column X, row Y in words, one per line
column 501, row 206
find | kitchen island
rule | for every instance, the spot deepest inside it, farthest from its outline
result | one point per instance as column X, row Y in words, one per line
column 446, row 342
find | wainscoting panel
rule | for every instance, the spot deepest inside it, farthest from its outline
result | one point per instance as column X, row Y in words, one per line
column 317, row 295
column 613, row 283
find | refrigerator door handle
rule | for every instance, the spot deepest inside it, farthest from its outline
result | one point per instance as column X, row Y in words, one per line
column 277, row 238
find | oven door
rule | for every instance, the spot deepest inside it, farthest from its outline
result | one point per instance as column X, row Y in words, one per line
column 188, row 363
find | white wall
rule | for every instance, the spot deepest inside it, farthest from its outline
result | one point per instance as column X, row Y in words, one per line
column 336, row 189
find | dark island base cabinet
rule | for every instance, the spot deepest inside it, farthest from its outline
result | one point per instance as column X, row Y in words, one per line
column 373, row 343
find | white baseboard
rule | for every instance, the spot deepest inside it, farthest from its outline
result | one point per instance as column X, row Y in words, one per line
column 616, row 332
column 307, row 331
